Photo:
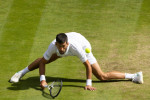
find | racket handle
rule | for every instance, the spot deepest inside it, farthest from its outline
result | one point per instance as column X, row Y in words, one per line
column 45, row 86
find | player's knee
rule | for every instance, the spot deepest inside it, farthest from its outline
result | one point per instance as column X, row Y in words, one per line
column 103, row 77
column 38, row 59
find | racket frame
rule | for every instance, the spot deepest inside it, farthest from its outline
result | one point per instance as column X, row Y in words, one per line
column 50, row 87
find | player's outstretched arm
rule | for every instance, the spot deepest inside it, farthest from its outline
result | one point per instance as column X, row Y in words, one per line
column 42, row 72
column 89, row 76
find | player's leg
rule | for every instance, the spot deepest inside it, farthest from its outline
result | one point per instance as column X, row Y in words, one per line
column 34, row 65
column 137, row 77
column 106, row 76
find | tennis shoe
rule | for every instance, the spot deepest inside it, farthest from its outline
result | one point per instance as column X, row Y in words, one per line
column 16, row 77
column 138, row 78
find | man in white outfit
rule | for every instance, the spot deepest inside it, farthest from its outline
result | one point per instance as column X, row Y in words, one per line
column 74, row 44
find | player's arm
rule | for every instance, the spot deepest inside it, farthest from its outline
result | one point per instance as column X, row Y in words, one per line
column 78, row 51
column 88, row 69
column 46, row 57
column 89, row 76
column 42, row 72
column 42, row 66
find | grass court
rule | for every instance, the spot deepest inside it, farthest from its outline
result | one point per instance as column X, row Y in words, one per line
column 118, row 30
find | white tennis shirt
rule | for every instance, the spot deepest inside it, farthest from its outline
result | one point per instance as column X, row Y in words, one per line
column 76, row 47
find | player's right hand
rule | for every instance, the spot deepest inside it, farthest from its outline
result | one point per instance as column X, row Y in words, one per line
column 43, row 83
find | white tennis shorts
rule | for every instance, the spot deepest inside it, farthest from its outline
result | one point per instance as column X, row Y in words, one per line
column 91, row 58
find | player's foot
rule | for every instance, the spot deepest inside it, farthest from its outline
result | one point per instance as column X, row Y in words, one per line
column 138, row 78
column 16, row 77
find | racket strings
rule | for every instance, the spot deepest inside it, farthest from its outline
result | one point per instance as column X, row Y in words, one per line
column 55, row 88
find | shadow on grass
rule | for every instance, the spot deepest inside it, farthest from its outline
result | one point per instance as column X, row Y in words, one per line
column 33, row 82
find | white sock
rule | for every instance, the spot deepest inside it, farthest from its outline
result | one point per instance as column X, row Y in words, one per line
column 25, row 70
column 129, row 76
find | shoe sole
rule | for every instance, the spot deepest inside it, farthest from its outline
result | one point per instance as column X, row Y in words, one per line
column 141, row 78
column 15, row 81
column 12, row 81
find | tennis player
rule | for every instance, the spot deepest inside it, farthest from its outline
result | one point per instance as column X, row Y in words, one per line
column 74, row 44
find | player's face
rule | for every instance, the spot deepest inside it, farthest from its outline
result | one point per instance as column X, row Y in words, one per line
column 62, row 47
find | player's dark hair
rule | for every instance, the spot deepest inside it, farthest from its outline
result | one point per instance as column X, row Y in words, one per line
column 61, row 38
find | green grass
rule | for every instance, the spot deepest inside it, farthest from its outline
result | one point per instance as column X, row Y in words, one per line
column 118, row 30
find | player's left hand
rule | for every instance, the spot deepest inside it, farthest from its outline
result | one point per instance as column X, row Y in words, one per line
column 90, row 88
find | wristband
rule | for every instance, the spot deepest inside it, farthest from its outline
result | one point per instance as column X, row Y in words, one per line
column 88, row 82
column 42, row 77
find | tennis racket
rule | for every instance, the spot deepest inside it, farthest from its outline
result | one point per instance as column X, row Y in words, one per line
column 54, row 88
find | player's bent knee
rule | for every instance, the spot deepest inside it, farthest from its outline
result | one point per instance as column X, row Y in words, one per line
column 103, row 77
column 38, row 59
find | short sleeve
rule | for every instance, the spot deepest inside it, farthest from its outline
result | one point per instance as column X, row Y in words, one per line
column 51, row 50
